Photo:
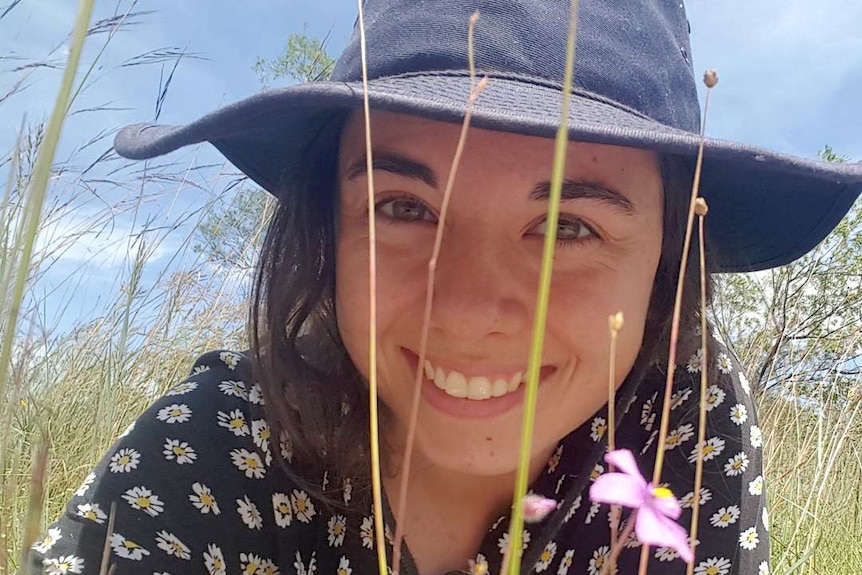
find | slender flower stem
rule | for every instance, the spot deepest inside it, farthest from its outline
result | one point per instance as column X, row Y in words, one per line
column 617, row 547
column 376, row 490
column 701, row 209
column 615, row 324
column 517, row 524
column 677, row 307
column 475, row 90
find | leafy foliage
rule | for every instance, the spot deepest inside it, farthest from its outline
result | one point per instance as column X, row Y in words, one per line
column 231, row 233
column 304, row 60
column 796, row 328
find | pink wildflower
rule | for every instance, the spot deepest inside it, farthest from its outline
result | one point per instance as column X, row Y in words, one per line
column 537, row 507
column 657, row 508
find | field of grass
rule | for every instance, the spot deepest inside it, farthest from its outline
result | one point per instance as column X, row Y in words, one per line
column 66, row 394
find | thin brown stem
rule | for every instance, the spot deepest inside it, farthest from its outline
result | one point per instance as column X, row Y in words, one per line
column 617, row 548
column 615, row 324
column 677, row 307
column 475, row 90
column 701, row 430
column 376, row 488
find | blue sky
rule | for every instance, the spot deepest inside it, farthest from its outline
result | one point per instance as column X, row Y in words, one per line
column 791, row 79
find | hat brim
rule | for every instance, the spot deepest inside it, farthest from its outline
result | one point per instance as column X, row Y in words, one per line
column 765, row 209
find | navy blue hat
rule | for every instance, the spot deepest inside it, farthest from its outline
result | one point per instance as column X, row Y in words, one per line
column 634, row 86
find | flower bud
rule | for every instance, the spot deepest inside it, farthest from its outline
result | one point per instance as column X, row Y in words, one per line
column 710, row 78
column 537, row 507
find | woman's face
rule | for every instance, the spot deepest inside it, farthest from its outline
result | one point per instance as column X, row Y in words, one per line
column 609, row 241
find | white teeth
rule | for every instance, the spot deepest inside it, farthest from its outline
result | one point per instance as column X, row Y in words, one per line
column 476, row 388
column 429, row 370
column 479, row 388
column 440, row 379
column 500, row 388
column 515, row 382
column 456, row 384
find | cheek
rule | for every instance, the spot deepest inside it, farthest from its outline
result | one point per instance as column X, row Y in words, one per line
column 351, row 298
column 401, row 282
column 582, row 301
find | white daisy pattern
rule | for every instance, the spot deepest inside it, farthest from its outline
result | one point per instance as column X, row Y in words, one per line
column 63, row 565
column 234, row 421
column 248, row 462
column 249, row 513
column 283, row 509
column 91, row 511
column 125, row 460
column 749, row 539
column 48, row 541
column 336, row 527
column 230, row 359
column 713, row 566
column 171, row 544
column 183, row 388
column 88, row 481
column 174, row 413
column 711, row 449
column 143, row 499
column 214, row 560
column 597, row 428
column 725, row 516
column 736, row 465
column 598, row 560
column 546, row 557
column 678, row 436
column 739, row 414
column 179, row 451
column 208, row 444
column 303, row 507
column 566, row 562
column 344, row 566
column 126, row 548
column 756, row 437
column 203, row 500
column 234, row 388
column 756, row 486
column 724, row 363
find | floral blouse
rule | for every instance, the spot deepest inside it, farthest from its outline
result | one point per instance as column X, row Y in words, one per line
column 195, row 490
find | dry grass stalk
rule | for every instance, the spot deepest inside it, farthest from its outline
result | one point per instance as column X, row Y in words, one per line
column 475, row 90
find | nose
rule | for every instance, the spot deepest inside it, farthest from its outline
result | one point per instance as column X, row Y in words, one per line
column 476, row 295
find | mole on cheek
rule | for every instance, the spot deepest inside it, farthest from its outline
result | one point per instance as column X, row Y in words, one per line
column 487, row 439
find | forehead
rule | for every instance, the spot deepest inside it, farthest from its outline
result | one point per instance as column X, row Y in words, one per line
column 434, row 143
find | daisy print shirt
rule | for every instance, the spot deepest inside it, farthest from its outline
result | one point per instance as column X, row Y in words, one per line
column 194, row 489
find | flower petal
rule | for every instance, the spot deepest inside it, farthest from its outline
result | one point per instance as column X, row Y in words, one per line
column 653, row 528
column 623, row 460
column 618, row 488
column 668, row 506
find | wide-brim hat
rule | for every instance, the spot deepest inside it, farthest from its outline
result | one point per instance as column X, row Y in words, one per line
column 634, row 86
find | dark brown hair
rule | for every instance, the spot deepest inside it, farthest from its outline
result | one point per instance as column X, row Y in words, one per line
column 314, row 394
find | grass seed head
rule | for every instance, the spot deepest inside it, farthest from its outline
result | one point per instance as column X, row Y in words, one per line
column 710, row 78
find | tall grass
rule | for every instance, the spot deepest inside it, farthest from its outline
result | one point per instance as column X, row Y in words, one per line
column 76, row 389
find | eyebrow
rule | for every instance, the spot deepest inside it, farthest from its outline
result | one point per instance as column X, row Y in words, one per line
column 415, row 170
column 394, row 164
column 578, row 190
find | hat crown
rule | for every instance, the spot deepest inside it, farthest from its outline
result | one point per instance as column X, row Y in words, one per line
column 634, row 52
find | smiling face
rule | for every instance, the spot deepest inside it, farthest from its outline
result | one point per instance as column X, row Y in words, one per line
column 609, row 243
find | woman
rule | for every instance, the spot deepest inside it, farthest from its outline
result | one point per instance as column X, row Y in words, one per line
column 259, row 462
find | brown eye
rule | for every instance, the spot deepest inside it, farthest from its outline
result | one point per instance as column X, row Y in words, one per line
column 567, row 230
column 405, row 210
